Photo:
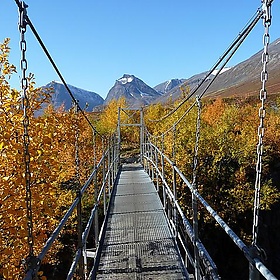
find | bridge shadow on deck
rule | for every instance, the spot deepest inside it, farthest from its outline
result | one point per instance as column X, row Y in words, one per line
column 138, row 243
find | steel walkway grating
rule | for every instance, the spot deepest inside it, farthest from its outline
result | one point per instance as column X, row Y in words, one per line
column 136, row 227
column 145, row 258
column 136, row 203
column 135, row 188
column 138, row 243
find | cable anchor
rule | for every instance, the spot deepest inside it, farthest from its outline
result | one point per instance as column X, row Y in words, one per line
column 23, row 15
column 266, row 8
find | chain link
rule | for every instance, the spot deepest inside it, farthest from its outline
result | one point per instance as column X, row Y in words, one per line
column 263, row 95
column 94, row 148
column 174, row 145
column 194, row 186
column 77, row 157
column 197, row 137
column 26, row 137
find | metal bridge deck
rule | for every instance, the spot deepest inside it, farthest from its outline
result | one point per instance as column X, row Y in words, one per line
column 138, row 242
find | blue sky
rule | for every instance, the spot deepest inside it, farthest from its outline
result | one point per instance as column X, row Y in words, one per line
column 95, row 42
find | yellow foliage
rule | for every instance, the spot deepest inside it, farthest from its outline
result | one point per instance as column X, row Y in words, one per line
column 226, row 153
column 52, row 164
column 109, row 117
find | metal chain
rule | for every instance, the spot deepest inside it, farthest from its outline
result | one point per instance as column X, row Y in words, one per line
column 197, row 137
column 174, row 145
column 77, row 189
column 194, row 187
column 263, row 94
column 26, row 137
column 94, row 148
column 77, row 158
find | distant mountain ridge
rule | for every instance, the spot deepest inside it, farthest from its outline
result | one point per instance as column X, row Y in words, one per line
column 241, row 79
column 87, row 99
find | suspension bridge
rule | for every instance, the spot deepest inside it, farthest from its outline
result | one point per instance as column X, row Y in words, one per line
column 145, row 233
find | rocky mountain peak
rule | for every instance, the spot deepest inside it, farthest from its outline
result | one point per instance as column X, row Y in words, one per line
column 133, row 89
column 126, row 78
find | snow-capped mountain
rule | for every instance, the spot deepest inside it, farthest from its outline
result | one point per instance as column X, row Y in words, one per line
column 135, row 91
column 168, row 85
column 87, row 99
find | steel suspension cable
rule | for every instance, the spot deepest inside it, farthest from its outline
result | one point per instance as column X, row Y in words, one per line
column 240, row 38
column 37, row 36
column 250, row 28
column 229, row 53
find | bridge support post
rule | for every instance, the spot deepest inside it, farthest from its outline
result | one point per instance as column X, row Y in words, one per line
column 108, row 167
column 175, row 199
column 119, row 135
column 156, row 156
column 116, row 155
column 152, row 166
column 141, row 135
column 163, row 175
column 103, row 182
column 113, row 160
column 80, row 233
column 96, row 223
column 195, row 238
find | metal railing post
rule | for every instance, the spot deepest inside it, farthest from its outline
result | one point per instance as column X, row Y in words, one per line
column 152, row 158
column 141, row 135
column 109, row 167
column 103, row 178
column 163, row 173
column 113, row 161
column 195, row 238
column 175, row 199
column 80, row 233
column 119, row 135
column 96, row 222
column 156, row 155
column 146, row 139
column 116, row 155
column 150, row 164
column 174, row 180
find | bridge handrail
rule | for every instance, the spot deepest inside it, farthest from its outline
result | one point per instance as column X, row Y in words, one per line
column 90, row 221
column 68, row 213
column 203, row 252
column 112, row 168
column 256, row 262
